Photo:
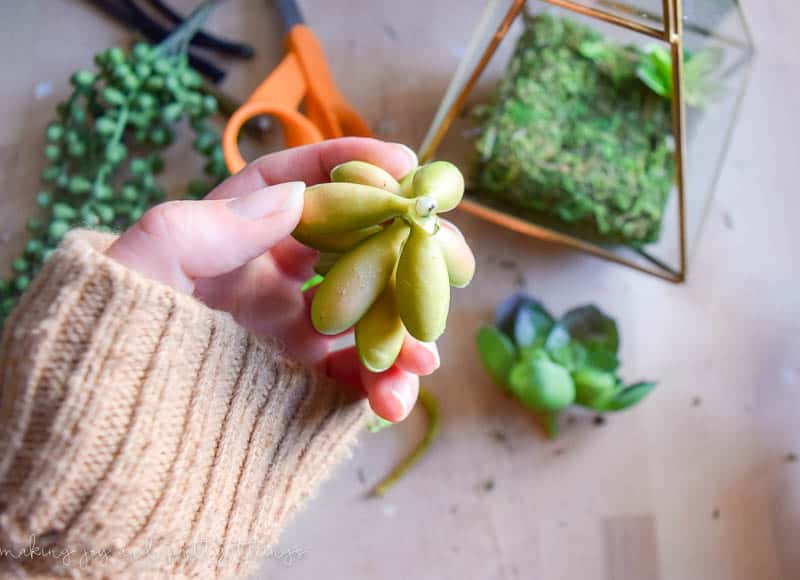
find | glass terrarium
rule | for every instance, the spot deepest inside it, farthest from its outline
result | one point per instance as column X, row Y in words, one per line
column 597, row 124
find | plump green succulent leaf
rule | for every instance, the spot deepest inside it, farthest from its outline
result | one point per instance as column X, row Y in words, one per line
column 593, row 387
column 629, row 396
column 558, row 337
column 532, row 324
column 542, row 384
column 649, row 76
column 655, row 71
column 571, row 356
column 601, row 359
column 497, row 353
column 591, row 327
column 509, row 309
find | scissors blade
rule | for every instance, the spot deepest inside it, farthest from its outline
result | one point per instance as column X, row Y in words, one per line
column 290, row 13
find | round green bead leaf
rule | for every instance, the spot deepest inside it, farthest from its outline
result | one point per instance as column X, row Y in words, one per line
column 105, row 126
column 76, row 149
column 44, row 199
column 52, row 152
column 115, row 55
column 62, row 211
column 116, row 152
column 34, row 248
column 22, row 282
column 20, row 265
column 79, row 184
column 55, row 132
column 142, row 51
column 58, row 229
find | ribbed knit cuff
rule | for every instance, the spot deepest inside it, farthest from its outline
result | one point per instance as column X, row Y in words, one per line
column 145, row 434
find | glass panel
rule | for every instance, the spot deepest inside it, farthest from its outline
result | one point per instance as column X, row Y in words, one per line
column 719, row 18
column 495, row 14
column 719, row 49
column 647, row 12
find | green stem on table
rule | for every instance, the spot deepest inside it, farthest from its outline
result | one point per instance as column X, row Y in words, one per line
column 431, row 408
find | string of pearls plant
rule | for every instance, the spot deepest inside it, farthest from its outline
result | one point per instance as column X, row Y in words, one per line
column 105, row 148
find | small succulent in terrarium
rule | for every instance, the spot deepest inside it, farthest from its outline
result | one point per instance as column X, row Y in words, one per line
column 573, row 137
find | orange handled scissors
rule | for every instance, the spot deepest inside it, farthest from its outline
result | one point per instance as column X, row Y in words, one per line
column 302, row 76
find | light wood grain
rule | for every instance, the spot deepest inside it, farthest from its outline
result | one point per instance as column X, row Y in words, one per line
column 672, row 490
column 631, row 548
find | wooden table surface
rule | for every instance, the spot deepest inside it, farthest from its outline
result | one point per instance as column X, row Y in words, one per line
column 696, row 483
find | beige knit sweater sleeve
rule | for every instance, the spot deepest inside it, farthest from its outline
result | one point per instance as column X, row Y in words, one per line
column 144, row 435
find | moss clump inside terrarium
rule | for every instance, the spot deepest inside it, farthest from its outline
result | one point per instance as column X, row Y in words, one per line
column 574, row 138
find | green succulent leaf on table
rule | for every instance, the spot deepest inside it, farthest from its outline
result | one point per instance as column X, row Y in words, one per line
column 571, row 356
column 591, row 327
column 629, row 396
column 557, row 338
column 532, row 324
column 593, row 385
column 601, row 359
column 542, row 384
column 497, row 353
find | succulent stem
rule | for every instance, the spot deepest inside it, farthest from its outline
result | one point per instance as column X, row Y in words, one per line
column 431, row 408
column 425, row 206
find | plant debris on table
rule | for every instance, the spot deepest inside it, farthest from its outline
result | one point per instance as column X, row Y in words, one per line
column 550, row 364
column 576, row 136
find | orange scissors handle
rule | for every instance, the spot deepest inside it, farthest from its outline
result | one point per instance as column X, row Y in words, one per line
column 302, row 76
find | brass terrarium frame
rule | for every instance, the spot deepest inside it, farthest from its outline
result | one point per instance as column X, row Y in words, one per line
column 672, row 34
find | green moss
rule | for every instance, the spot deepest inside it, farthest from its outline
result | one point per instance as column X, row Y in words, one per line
column 573, row 138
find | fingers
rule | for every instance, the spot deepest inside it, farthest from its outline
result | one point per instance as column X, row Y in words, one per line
column 420, row 358
column 313, row 163
column 391, row 394
column 344, row 367
column 295, row 260
column 179, row 242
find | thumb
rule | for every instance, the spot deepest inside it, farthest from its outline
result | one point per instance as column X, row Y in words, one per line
column 181, row 241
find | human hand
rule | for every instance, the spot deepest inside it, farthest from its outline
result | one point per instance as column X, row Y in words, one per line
column 233, row 251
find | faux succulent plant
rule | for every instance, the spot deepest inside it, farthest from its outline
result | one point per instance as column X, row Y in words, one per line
column 700, row 86
column 550, row 364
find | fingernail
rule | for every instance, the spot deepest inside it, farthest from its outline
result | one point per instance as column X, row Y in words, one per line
column 434, row 350
column 268, row 201
column 404, row 406
column 411, row 155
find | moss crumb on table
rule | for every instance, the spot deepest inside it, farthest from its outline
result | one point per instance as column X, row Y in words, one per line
column 573, row 139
